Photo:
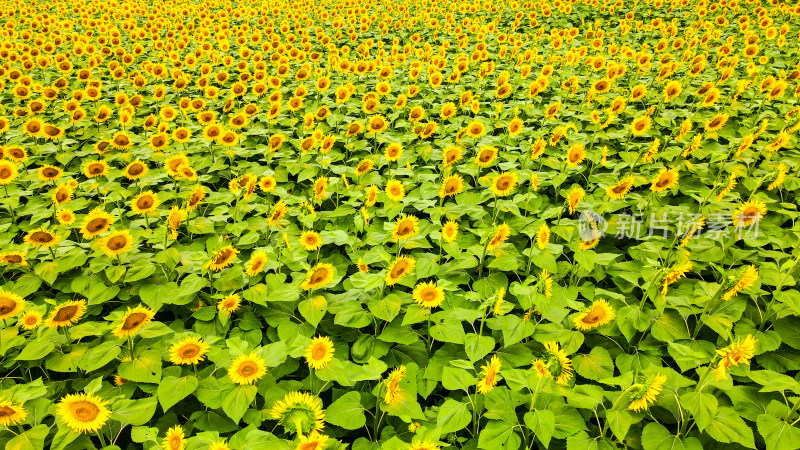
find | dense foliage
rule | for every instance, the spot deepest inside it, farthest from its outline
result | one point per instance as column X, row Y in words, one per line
column 392, row 225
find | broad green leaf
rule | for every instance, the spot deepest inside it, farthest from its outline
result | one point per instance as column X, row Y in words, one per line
column 656, row 437
column 171, row 390
column 453, row 416
column 346, row 412
column 236, row 401
column 778, row 434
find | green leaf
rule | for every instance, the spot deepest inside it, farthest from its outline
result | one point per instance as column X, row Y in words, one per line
column 703, row 407
column 134, row 412
column 32, row 439
column 171, row 390
column 499, row 435
column 477, row 347
column 313, row 309
column 727, row 427
column 155, row 295
column 670, row 326
column 145, row 368
column 99, row 356
column 597, row 365
column 347, row 412
column 453, row 416
column 778, row 434
column 236, row 401
column 582, row 441
column 656, row 437
column 543, row 423
column 386, row 308
column 454, row 379
column 36, row 350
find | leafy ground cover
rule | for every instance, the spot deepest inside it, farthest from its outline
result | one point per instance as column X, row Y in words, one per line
column 399, row 225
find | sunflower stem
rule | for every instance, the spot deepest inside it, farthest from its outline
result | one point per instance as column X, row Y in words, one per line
column 102, row 440
column 130, row 345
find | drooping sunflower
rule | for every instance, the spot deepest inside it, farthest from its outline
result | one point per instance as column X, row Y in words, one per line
column 196, row 197
column 501, row 234
column 116, row 243
column 10, row 304
column 320, row 188
column 748, row 213
column 558, row 363
column 405, row 228
column 96, row 222
column 256, row 263
column 504, row 184
column 83, row 413
column 299, row 413
column 450, row 231
column 747, row 279
column 319, row 352
column 174, row 219
column 42, row 238
column 11, row 413
column 401, row 267
column 665, row 179
column 395, row 190
column 428, row 294
column 13, row 258
column 222, row 258
column 190, row 350
column 489, row 376
column 716, row 123
column 278, row 212
column 452, row 185
column 599, row 314
column 363, row 167
column 319, row 276
column 311, row 240
column 29, row 320
column 620, row 190
column 219, row 445
column 174, row 439
column 739, row 352
column 133, row 321
column 393, row 392
column 247, row 369
column 646, row 394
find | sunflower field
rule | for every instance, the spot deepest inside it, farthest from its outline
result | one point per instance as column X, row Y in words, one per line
column 399, row 225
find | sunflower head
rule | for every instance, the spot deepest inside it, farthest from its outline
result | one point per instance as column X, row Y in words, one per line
column 299, row 413
column 319, row 352
column 10, row 304
column 83, row 413
column 247, row 369
column 133, row 321
column 190, row 350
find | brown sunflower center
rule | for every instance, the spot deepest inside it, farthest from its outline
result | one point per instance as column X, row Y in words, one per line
column 97, row 224
column 65, row 313
column 190, row 350
column 319, row 275
column 14, row 259
column 145, row 202
column 485, row 156
column 429, row 295
column 5, row 172
column 96, row 169
column 84, row 411
column 42, row 237
column 663, row 181
column 134, row 320
column 503, row 183
column 222, row 256
column 399, row 269
column 6, row 411
column 7, row 305
column 49, row 172
column 121, row 141
column 247, row 368
column 117, row 242
column 593, row 316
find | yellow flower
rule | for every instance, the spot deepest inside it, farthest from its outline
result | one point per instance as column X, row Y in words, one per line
column 666, row 179
column 247, row 369
column 486, row 156
column 310, row 240
column 558, row 364
column 452, row 185
column 229, row 304
column 321, row 275
column 393, row 152
column 11, row 413
column 674, row 275
column 739, row 352
column 646, row 394
column 29, row 320
column 299, row 413
column 393, row 392
column 222, row 258
column 428, row 294
column 504, row 184
column 174, row 219
column 8, row 172
column 620, row 190
column 319, row 352
column 395, row 190
column 640, row 125
column 575, row 155
column 65, row 216
column 133, row 321
column 312, row 441
column 422, row 445
column 145, row 203
column 96, row 222
column 10, row 304
column 450, row 231
column 42, row 238
column 598, row 315
column 542, row 236
column 749, row 276
column 574, row 198
column 749, row 212
column 66, row 314
column 190, row 350
column 256, row 263
column 174, row 439
column 116, row 243
column 501, row 234
column 489, row 376
column 405, row 228
column 83, row 413
column 399, row 269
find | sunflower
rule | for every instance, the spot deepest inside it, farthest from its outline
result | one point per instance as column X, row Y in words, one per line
column 96, row 222
column 320, row 188
column 10, row 304
column 501, row 234
column 748, row 277
column 33, row 127
column 504, row 184
column 312, row 441
column 174, row 439
column 672, row 90
column 489, row 373
column 299, row 413
column 267, row 183
column 716, row 123
column 278, row 212
column 450, row 231
column 363, row 167
column 417, row 444
column 42, row 238
column 247, row 369
column 486, row 156
column 739, row 352
column 310, row 240
column 121, row 141
column 116, row 243
column 377, row 124
column 95, row 169
column 256, row 263
column 451, row 155
column 29, row 320
column 11, row 413
column 222, row 258
column 174, row 219
column 133, row 321
column 666, row 179
column 475, row 129
column 13, row 258
column 83, row 413
column 558, row 363
column 145, row 203
column 393, row 152
column 229, row 304
column 398, row 269
column 640, row 125
column 428, row 294
column 515, row 127
column 646, row 394
column 197, row 195
column 393, row 392
column 452, row 185
column 405, row 228
column 61, row 195
column 620, row 190
column 749, row 212
column 219, row 445
column 49, row 173
column 8, row 172
column 319, row 352
column 65, row 216
column 598, row 315
column 575, row 155
column 319, row 276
